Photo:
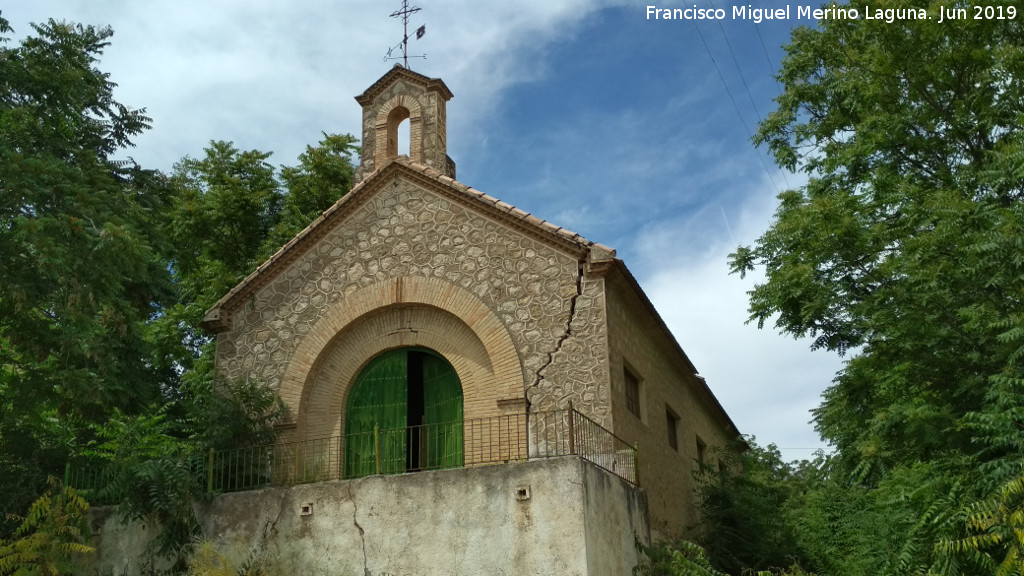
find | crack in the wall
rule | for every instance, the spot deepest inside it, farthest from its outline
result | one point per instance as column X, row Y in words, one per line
column 269, row 526
column 355, row 522
column 565, row 336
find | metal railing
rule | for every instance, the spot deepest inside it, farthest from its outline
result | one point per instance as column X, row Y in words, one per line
column 569, row 432
column 476, row 442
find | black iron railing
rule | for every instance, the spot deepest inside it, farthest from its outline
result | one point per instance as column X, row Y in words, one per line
column 477, row 442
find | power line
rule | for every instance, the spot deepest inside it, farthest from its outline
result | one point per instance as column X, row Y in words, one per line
column 734, row 104
column 736, row 63
column 771, row 66
column 743, row 79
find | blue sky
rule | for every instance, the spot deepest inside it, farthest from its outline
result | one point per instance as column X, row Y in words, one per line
column 632, row 132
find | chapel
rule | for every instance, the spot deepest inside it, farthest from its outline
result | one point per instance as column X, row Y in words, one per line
column 466, row 383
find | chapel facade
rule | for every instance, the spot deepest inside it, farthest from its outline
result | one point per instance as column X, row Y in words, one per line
column 417, row 303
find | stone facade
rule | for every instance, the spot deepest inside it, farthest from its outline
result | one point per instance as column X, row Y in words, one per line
column 409, row 259
column 399, row 95
column 530, row 316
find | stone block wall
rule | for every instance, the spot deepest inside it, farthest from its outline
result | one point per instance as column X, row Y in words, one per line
column 637, row 342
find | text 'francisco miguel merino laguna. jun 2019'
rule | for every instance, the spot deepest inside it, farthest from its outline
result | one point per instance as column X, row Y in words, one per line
column 808, row 12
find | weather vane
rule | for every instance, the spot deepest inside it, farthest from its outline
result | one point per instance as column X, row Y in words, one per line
column 404, row 14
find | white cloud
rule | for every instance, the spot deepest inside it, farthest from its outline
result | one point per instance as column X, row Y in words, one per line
column 766, row 381
column 272, row 75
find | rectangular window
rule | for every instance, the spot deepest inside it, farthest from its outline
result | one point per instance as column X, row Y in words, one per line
column 701, row 449
column 672, row 425
column 632, row 393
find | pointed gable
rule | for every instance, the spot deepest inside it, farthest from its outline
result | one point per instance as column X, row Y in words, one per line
column 218, row 318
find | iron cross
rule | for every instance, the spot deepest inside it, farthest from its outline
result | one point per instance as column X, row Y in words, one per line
column 404, row 14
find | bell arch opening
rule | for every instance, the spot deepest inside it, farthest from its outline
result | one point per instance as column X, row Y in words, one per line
column 404, row 413
column 398, row 116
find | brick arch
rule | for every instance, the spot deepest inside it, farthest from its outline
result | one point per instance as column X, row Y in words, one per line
column 427, row 312
column 389, row 116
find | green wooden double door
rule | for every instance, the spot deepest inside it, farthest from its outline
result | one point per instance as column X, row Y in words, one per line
column 404, row 413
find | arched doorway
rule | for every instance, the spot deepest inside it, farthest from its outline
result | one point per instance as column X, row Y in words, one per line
column 404, row 413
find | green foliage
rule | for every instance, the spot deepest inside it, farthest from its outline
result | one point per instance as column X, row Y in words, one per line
column 685, row 558
column 995, row 532
column 680, row 558
column 53, row 537
column 897, row 246
column 152, row 475
column 80, row 273
column 224, row 206
column 742, row 506
column 238, row 414
column 229, row 213
column 106, row 270
column 155, row 463
column 906, row 249
column 324, row 174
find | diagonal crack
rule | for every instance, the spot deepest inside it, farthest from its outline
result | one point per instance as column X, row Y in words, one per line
column 270, row 527
column 355, row 522
column 568, row 330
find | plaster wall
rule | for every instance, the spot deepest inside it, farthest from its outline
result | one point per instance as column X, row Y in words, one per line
column 558, row 517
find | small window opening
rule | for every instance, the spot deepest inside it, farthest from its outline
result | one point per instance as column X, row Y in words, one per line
column 701, row 450
column 404, row 138
column 397, row 132
column 632, row 393
column 672, row 426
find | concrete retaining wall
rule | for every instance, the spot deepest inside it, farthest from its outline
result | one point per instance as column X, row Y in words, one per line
column 553, row 517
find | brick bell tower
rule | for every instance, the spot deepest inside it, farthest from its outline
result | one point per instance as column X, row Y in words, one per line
column 399, row 95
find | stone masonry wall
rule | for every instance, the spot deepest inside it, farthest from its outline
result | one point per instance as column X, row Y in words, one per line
column 427, row 127
column 666, row 383
column 555, row 319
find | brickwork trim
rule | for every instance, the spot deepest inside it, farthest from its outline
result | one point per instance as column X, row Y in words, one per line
column 406, row 311
column 386, row 128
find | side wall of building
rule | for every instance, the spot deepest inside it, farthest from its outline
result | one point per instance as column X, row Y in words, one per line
column 638, row 344
column 553, row 517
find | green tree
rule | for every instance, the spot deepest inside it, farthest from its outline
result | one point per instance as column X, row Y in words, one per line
column 230, row 212
column 900, row 245
column 154, row 464
column 324, row 174
column 106, row 270
column 905, row 249
column 79, row 272
column 743, row 508
column 675, row 559
column 52, row 539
